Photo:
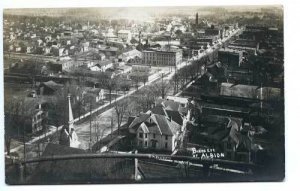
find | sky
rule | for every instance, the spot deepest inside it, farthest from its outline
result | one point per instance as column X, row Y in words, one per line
column 131, row 12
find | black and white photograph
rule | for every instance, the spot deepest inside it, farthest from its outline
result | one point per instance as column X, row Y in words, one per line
column 157, row 94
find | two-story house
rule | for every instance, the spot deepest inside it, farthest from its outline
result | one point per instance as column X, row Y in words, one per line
column 28, row 114
column 157, row 132
column 160, row 128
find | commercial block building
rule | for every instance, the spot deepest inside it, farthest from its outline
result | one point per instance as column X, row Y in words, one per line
column 161, row 57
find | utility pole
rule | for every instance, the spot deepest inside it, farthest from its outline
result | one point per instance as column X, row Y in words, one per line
column 111, row 126
column 24, row 153
column 162, row 86
column 90, row 145
column 175, row 81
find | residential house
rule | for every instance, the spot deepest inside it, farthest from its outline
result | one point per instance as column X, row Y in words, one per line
column 132, row 54
column 104, row 65
column 30, row 115
column 156, row 132
column 160, row 128
column 228, row 135
column 49, row 88
column 63, row 52
column 96, row 94
column 109, row 51
column 85, row 46
column 125, row 35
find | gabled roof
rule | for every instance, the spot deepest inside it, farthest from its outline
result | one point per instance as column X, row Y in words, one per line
column 144, row 128
column 167, row 127
column 171, row 105
column 153, row 128
column 130, row 120
column 175, row 116
column 52, row 85
column 92, row 90
column 163, row 125
column 159, row 109
column 138, row 120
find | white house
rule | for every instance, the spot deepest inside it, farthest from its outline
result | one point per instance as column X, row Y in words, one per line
column 104, row 65
column 124, row 35
column 95, row 93
column 158, row 132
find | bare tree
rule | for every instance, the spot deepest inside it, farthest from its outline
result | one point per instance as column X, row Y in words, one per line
column 161, row 88
column 120, row 108
column 146, row 98
column 14, row 119
column 110, row 85
column 99, row 130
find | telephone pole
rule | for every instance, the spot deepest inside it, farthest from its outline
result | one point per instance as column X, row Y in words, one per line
column 162, row 86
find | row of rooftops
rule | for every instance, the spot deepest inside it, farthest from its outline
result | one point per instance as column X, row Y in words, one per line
column 229, row 50
column 164, row 50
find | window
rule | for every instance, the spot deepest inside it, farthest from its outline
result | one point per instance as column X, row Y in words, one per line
column 153, row 136
column 153, row 144
column 140, row 143
column 146, row 136
column 166, row 145
column 146, row 144
column 141, row 135
column 166, row 137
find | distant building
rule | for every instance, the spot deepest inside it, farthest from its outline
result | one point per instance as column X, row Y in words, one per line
column 133, row 54
column 232, row 58
column 109, row 51
column 162, row 58
column 250, row 92
column 249, row 46
column 65, row 65
column 212, row 32
column 102, row 66
column 140, row 68
column 125, row 35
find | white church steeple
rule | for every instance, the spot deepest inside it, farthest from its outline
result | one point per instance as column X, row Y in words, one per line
column 71, row 119
column 68, row 135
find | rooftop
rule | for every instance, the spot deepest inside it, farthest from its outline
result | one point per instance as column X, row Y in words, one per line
column 230, row 50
